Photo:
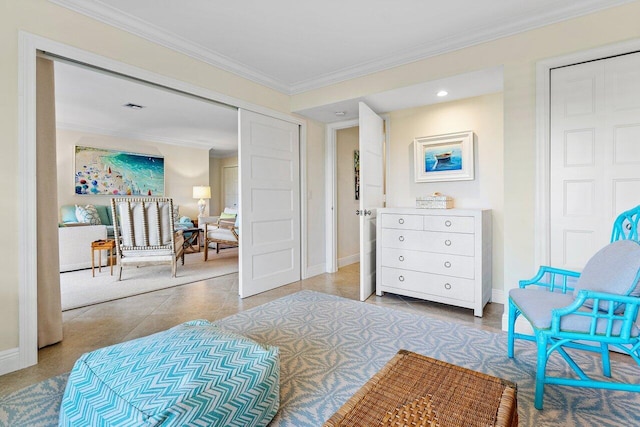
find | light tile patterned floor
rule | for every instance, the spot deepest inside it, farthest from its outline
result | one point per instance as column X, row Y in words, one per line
column 89, row 328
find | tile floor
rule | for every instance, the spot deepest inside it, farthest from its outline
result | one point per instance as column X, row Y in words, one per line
column 100, row 325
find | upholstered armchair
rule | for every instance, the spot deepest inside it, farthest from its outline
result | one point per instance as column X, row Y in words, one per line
column 224, row 231
column 145, row 233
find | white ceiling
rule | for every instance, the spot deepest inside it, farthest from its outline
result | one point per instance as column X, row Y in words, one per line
column 92, row 101
column 294, row 46
column 291, row 46
column 462, row 86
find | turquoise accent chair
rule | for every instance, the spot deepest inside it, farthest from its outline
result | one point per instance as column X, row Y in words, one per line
column 593, row 310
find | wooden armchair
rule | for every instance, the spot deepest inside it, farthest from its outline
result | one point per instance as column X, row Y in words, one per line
column 144, row 232
column 224, row 231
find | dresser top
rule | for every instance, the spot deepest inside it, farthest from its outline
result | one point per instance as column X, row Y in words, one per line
column 421, row 211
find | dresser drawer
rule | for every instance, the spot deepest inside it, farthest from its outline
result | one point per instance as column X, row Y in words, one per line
column 450, row 265
column 448, row 243
column 402, row 239
column 405, row 222
column 451, row 224
column 432, row 284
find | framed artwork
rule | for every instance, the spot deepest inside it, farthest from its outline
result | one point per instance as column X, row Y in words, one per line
column 99, row 171
column 444, row 157
column 356, row 170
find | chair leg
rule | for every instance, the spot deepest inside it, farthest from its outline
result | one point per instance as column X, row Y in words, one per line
column 174, row 267
column 541, row 340
column 606, row 362
column 513, row 314
column 120, row 273
column 206, row 249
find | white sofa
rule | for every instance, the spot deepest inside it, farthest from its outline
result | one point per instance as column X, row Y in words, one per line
column 75, row 246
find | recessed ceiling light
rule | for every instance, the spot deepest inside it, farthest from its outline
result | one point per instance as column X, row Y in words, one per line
column 340, row 113
column 442, row 93
column 133, row 106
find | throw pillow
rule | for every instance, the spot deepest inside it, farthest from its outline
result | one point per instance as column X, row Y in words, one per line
column 176, row 214
column 88, row 215
column 613, row 269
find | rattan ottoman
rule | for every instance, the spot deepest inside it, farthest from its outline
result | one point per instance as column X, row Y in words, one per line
column 415, row 390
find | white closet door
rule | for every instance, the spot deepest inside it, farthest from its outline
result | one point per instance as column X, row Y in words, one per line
column 269, row 203
column 371, row 194
column 595, row 154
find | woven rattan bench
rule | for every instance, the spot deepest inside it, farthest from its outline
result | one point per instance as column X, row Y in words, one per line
column 415, row 390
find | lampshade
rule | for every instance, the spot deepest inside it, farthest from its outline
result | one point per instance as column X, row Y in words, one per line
column 201, row 192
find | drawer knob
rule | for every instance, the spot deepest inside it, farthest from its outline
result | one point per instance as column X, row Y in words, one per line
column 401, row 278
column 447, row 223
column 447, row 286
column 401, row 221
column 447, row 242
column 447, row 264
column 401, row 238
column 401, row 258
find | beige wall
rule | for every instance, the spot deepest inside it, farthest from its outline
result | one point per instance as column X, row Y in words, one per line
column 348, row 229
column 483, row 115
column 184, row 167
column 216, row 166
column 56, row 23
column 518, row 54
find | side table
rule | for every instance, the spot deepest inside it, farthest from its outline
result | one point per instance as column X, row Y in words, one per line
column 192, row 241
column 102, row 245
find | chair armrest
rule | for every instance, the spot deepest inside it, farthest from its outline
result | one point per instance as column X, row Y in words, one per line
column 597, row 316
column 548, row 277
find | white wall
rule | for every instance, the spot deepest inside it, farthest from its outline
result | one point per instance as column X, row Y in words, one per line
column 184, row 167
column 348, row 225
column 484, row 116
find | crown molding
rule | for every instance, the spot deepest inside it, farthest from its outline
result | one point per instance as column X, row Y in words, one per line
column 482, row 34
column 138, row 136
column 473, row 37
column 118, row 19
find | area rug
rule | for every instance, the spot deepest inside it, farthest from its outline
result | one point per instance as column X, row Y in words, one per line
column 79, row 288
column 330, row 346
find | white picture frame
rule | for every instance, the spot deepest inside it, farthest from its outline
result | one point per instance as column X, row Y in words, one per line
column 447, row 157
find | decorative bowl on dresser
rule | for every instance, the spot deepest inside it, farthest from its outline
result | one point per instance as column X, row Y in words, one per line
column 436, row 255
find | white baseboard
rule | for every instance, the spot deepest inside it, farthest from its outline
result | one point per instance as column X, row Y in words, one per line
column 315, row 270
column 497, row 296
column 9, row 360
column 348, row 260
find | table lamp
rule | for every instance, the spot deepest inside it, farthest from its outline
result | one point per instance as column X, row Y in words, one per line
column 201, row 192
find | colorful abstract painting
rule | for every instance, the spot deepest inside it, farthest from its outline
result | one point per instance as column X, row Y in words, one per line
column 100, row 171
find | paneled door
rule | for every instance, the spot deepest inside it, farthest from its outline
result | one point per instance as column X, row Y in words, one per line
column 595, row 154
column 269, row 180
column 371, row 193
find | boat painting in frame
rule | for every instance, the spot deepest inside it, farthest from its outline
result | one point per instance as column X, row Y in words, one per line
column 100, row 171
column 447, row 157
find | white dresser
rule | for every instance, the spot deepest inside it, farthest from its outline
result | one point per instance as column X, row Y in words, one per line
column 441, row 255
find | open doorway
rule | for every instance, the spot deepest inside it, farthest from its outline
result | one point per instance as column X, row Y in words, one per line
column 347, row 196
column 30, row 47
column 101, row 116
